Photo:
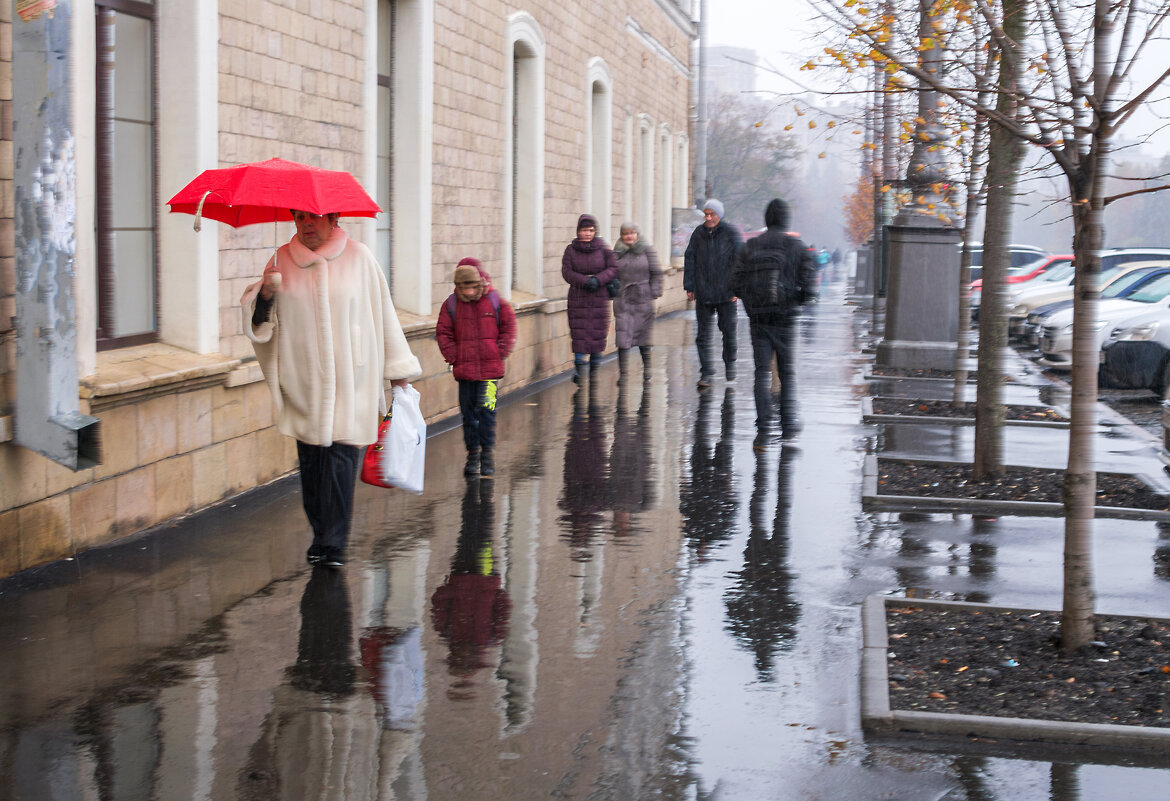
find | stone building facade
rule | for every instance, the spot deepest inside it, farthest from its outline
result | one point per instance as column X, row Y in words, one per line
column 483, row 128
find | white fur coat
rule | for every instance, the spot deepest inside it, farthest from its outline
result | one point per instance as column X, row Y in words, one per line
column 331, row 342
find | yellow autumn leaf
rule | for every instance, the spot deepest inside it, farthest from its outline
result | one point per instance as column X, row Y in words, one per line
column 812, row 124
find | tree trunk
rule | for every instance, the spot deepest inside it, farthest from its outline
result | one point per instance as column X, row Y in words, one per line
column 1080, row 478
column 1005, row 153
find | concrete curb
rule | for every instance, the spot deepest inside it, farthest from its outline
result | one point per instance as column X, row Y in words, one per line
column 873, row 501
column 877, row 716
column 868, row 416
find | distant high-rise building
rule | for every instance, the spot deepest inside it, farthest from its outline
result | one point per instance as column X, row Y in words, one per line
column 730, row 70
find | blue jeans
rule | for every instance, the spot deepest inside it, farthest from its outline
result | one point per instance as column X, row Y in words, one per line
column 705, row 313
column 477, row 403
column 775, row 339
column 328, row 475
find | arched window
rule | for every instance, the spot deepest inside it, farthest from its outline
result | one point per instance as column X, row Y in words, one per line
column 524, row 157
column 599, row 146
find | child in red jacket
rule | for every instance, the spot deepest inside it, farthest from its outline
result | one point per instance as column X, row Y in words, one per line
column 476, row 331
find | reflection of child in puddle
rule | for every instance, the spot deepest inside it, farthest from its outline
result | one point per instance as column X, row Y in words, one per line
column 471, row 609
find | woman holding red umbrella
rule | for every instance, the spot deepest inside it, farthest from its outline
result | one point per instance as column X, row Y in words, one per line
column 327, row 338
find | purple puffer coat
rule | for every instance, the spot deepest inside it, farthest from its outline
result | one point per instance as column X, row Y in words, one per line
column 588, row 311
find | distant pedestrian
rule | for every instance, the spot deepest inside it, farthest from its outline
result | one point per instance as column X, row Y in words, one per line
column 476, row 332
column 640, row 276
column 774, row 274
column 707, row 280
column 588, row 266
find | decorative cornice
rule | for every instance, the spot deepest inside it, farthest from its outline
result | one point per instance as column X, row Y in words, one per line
column 657, row 47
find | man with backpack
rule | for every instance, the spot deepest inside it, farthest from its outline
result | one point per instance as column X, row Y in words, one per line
column 476, row 332
column 774, row 274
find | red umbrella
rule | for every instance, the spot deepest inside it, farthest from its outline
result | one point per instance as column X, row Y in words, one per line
column 264, row 191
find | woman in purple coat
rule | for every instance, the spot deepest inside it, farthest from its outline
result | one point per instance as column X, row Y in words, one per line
column 588, row 266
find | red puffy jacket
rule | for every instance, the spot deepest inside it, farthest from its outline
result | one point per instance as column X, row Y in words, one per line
column 477, row 340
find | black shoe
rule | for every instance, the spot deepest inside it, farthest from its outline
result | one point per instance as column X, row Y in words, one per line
column 332, row 557
column 472, row 466
column 487, row 463
column 705, row 381
column 313, row 555
column 731, row 371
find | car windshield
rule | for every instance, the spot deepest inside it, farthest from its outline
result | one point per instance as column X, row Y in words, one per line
column 1153, row 291
column 1061, row 273
column 1120, row 285
column 1024, row 269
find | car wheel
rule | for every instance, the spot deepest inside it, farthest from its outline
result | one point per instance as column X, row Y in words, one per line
column 1164, row 384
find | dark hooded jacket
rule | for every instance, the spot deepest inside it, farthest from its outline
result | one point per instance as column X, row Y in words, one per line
column 588, row 308
column 774, row 273
column 707, row 262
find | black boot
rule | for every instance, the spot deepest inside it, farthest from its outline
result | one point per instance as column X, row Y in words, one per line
column 472, row 467
column 623, row 363
column 580, row 372
column 645, row 359
column 487, row 464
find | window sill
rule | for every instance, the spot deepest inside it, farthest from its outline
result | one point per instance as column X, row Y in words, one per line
column 128, row 375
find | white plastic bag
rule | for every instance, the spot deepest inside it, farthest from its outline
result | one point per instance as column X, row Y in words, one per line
column 404, row 457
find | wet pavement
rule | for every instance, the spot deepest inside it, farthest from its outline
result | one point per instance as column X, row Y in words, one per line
column 637, row 606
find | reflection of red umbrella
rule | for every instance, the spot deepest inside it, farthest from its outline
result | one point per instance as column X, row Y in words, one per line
column 264, row 191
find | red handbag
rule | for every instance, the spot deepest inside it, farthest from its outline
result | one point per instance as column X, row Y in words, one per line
column 372, row 461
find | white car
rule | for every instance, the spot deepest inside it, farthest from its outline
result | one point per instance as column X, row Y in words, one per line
column 1056, row 341
column 1113, row 263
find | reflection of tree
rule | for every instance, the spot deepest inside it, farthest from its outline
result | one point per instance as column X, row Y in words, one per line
column 706, row 500
column 631, row 460
column 1162, row 552
column 761, row 609
column 471, row 609
column 584, row 497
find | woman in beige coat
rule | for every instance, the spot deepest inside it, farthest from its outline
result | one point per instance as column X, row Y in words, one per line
column 327, row 338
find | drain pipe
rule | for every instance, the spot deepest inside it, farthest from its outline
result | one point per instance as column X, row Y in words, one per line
column 47, row 417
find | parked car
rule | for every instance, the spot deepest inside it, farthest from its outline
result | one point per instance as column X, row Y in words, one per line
column 1137, row 356
column 1120, row 287
column 1020, row 255
column 1026, row 298
column 1056, row 341
column 1018, row 275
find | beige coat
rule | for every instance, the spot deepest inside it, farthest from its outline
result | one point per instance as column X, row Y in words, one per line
column 331, row 342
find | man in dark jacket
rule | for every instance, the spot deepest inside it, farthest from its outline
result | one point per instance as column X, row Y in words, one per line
column 774, row 274
column 706, row 279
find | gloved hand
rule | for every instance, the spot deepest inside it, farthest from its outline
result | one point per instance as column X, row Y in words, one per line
column 592, row 285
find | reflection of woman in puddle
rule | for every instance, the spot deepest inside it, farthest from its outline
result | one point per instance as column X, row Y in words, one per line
column 321, row 739
column 471, row 610
column 631, row 461
column 323, row 652
column 707, row 498
column 762, row 610
column 584, row 498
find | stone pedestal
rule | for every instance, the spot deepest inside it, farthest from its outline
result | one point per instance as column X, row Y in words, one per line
column 863, row 274
column 922, row 298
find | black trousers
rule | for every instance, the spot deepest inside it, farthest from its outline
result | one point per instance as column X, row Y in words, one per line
column 328, row 475
column 773, row 340
column 705, row 316
column 477, row 403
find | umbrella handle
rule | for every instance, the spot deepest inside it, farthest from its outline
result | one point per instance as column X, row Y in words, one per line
column 199, row 211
